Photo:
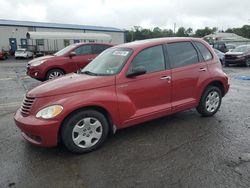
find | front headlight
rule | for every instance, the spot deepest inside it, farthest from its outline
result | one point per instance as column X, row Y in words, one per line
column 36, row 63
column 50, row 112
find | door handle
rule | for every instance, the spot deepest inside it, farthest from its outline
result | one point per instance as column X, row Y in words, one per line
column 202, row 69
column 166, row 78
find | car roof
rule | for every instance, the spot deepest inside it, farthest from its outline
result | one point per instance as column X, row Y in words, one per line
column 156, row 41
column 98, row 43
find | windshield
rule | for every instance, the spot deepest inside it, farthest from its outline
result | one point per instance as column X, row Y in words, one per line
column 109, row 62
column 243, row 49
column 65, row 50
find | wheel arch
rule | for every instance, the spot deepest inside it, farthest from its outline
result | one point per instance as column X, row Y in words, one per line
column 91, row 107
column 216, row 83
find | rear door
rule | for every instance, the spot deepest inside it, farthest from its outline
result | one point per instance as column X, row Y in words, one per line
column 146, row 96
column 188, row 71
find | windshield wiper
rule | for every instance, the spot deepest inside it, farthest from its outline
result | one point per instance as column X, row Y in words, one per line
column 89, row 73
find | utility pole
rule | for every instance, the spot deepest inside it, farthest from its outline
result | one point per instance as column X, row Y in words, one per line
column 174, row 27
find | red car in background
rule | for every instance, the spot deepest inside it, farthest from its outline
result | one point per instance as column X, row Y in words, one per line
column 3, row 55
column 70, row 59
column 125, row 85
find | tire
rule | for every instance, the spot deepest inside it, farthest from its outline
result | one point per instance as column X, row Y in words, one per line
column 54, row 73
column 92, row 126
column 210, row 101
column 226, row 64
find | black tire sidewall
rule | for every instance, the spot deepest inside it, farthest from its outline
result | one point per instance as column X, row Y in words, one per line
column 69, row 124
column 202, row 105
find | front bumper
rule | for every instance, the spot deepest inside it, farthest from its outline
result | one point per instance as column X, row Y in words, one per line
column 37, row 131
column 235, row 61
column 34, row 73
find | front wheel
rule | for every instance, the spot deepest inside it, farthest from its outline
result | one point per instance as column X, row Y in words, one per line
column 54, row 73
column 210, row 101
column 84, row 131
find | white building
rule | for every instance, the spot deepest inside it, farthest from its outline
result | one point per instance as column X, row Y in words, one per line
column 13, row 35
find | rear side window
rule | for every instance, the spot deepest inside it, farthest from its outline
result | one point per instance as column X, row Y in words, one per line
column 151, row 58
column 97, row 49
column 182, row 54
column 84, row 50
column 204, row 51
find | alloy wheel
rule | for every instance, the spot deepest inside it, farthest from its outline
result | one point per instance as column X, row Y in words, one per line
column 55, row 74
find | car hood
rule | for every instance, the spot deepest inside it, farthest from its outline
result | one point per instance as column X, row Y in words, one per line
column 69, row 84
column 41, row 58
column 234, row 53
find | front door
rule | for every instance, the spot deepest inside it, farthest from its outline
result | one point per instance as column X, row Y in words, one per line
column 13, row 44
column 146, row 96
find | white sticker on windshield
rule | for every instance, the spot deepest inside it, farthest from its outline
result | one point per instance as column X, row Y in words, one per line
column 121, row 53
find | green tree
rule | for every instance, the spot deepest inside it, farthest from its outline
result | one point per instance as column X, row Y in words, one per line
column 181, row 32
column 205, row 31
column 189, row 32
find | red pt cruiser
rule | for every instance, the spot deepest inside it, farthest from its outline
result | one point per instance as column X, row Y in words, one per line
column 125, row 85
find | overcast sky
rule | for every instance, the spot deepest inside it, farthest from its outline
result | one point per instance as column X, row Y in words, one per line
column 126, row 14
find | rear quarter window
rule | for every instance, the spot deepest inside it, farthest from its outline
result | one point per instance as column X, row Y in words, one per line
column 182, row 54
column 206, row 54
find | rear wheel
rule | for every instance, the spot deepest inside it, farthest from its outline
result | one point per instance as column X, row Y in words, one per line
column 54, row 73
column 84, row 131
column 210, row 101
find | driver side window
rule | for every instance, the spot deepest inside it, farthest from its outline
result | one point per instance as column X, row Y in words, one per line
column 83, row 50
column 152, row 59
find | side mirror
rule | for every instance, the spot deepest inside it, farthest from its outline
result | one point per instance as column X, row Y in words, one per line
column 71, row 54
column 136, row 71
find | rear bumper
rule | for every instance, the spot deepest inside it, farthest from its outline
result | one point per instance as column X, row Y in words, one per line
column 37, row 131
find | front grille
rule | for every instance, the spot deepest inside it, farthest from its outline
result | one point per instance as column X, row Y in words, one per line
column 231, row 57
column 26, row 106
